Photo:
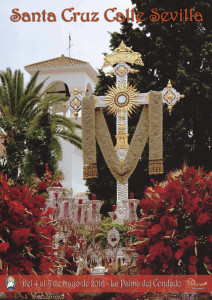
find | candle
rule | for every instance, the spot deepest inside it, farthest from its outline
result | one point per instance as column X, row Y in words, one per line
column 55, row 195
column 79, row 211
column 93, row 196
column 94, row 211
column 132, row 196
column 66, row 210
column 55, row 199
column 86, row 216
column 94, row 207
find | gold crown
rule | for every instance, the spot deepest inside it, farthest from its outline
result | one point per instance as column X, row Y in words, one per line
column 122, row 54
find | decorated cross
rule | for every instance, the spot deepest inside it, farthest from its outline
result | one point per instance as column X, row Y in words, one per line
column 122, row 100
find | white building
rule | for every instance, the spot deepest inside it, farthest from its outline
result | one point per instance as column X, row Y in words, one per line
column 67, row 74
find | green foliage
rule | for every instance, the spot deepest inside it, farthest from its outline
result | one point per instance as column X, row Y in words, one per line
column 180, row 51
column 106, row 226
column 42, row 140
column 39, row 147
column 16, row 101
column 104, row 82
column 15, row 146
column 31, row 132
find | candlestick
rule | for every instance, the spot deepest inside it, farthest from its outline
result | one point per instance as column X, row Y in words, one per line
column 93, row 207
column 131, row 215
column 86, row 216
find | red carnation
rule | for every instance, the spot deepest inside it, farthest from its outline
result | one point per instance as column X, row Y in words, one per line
column 48, row 212
column 50, row 230
column 189, row 173
column 192, row 269
column 173, row 190
column 210, row 183
column 179, row 253
column 4, row 182
column 12, row 270
column 20, row 236
column 42, row 186
column 202, row 219
column 149, row 259
column 39, row 201
column 28, row 267
column 142, row 257
column 4, row 246
column 45, row 265
column 159, row 206
column 193, row 260
column 146, row 204
column 207, row 259
column 207, row 202
column 167, row 223
column 154, row 230
column 14, row 193
column 192, row 205
column 168, row 252
column 187, row 242
column 18, row 208
column 156, row 249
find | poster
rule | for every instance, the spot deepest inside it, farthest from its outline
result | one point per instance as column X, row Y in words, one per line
column 37, row 31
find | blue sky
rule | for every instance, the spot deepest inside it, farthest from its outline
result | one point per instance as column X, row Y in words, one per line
column 23, row 43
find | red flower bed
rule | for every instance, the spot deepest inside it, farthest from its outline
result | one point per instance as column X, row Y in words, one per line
column 175, row 231
column 26, row 231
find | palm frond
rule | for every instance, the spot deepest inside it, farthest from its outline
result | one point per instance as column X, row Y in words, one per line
column 68, row 136
column 8, row 87
column 31, row 84
column 39, row 87
column 56, row 146
column 24, row 111
column 52, row 99
column 45, row 103
column 63, row 121
column 18, row 82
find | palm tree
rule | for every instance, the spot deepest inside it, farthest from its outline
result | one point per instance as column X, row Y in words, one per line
column 15, row 100
column 15, row 103
column 22, row 109
column 43, row 138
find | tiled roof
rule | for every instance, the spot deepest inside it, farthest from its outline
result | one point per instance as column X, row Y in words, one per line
column 62, row 61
